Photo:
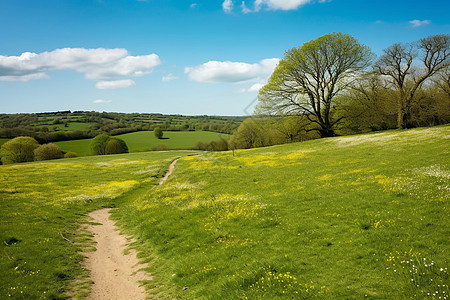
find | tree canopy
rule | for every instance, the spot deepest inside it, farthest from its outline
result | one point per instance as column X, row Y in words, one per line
column 307, row 80
column 398, row 68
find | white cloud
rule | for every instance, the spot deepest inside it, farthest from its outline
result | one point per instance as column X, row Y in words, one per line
column 245, row 9
column 277, row 4
column 96, row 64
column 193, row 5
column 418, row 23
column 227, row 71
column 114, row 84
column 254, row 88
column 227, row 6
column 169, row 77
column 101, row 101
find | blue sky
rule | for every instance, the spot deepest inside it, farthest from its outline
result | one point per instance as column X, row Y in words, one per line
column 188, row 57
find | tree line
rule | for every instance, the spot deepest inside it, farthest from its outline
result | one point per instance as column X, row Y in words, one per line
column 335, row 85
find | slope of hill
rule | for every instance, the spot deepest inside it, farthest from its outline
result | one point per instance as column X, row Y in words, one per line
column 337, row 218
column 347, row 217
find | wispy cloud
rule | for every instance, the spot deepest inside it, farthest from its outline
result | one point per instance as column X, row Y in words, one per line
column 193, row 5
column 169, row 77
column 254, row 88
column 101, row 101
column 275, row 5
column 227, row 71
column 418, row 23
column 227, row 6
column 96, row 64
column 114, row 84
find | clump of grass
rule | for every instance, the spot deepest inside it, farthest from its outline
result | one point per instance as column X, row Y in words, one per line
column 424, row 277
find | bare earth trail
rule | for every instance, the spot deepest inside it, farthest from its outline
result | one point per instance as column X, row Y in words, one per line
column 115, row 275
column 111, row 270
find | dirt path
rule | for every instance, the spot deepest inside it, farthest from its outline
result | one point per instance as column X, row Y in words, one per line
column 169, row 172
column 111, row 270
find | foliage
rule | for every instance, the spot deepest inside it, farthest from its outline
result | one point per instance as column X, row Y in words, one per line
column 17, row 150
column 217, row 145
column 158, row 133
column 397, row 65
column 116, row 146
column 268, row 131
column 307, row 80
column 98, row 144
column 70, row 154
column 47, row 152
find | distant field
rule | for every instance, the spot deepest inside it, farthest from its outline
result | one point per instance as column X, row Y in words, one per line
column 146, row 141
column 70, row 126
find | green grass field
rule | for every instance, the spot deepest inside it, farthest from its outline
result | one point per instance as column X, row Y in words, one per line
column 340, row 218
column 146, row 141
column 71, row 126
column 43, row 202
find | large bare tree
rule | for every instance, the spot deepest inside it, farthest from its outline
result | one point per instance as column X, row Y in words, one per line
column 398, row 67
column 307, row 80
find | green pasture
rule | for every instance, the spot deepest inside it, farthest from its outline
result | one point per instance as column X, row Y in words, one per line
column 146, row 141
column 349, row 217
column 71, row 126
column 339, row 218
column 43, row 203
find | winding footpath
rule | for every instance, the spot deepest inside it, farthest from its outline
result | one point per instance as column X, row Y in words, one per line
column 110, row 269
column 115, row 275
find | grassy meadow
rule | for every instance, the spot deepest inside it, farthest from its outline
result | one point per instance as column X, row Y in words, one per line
column 145, row 141
column 339, row 218
column 43, row 203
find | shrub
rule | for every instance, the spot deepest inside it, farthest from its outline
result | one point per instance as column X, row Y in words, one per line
column 19, row 149
column 47, row 152
column 158, row 133
column 70, row 154
column 116, row 146
column 160, row 147
column 98, row 144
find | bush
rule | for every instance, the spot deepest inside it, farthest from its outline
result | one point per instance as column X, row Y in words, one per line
column 19, row 149
column 104, row 144
column 70, row 154
column 116, row 146
column 98, row 144
column 158, row 133
column 160, row 147
column 47, row 152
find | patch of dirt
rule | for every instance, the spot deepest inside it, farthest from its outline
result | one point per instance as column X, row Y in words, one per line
column 169, row 172
column 115, row 275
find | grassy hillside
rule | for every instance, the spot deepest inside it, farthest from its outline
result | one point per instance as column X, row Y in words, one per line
column 338, row 218
column 43, row 203
column 146, row 141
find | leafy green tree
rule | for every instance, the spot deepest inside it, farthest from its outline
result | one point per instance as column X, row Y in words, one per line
column 307, row 80
column 397, row 64
column 116, row 146
column 158, row 133
column 98, row 144
column 47, row 152
column 19, row 149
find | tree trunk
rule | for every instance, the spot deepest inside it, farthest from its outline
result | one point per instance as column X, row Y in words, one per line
column 326, row 132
